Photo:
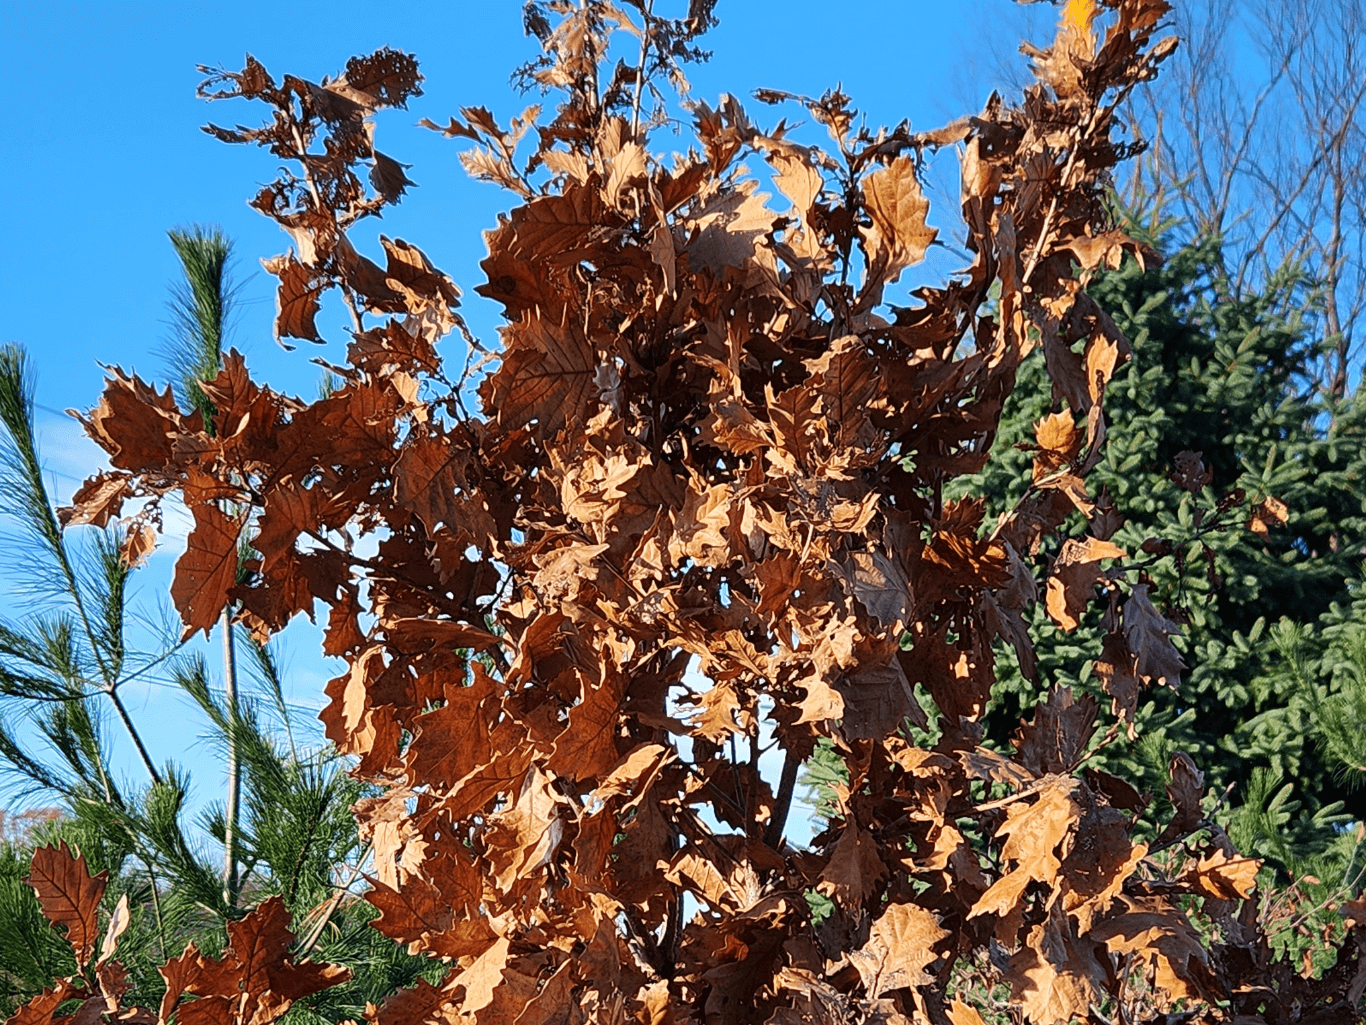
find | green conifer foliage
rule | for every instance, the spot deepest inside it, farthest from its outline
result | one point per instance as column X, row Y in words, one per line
column 1222, row 376
column 62, row 665
column 1274, row 705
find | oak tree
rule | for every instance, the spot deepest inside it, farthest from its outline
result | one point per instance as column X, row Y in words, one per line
column 699, row 516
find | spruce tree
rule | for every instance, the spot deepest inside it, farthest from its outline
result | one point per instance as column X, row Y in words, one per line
column 1270, row 611
column 1223, row 376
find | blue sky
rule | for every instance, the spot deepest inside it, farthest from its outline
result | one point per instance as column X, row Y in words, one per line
column 103, row 154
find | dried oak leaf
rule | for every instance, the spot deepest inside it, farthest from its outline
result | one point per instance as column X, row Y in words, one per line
column 502, row 774
column 716, row 716
column 528, row 251
column 880, row 586
column 1100, row 858
column 728, row 230
column 794, row 419
column 1002, row 612
column 800, row 182
column 138, row 544
column 1106, row 519
column 344, row 635
column 388, row 178
column 1185, row 791
column 1033, row 832
column 256, row 980
column 898, row 236
column 1066, row 368
column 363, row 277
column 1073, row 578
column 878, row 699
column 69, row 896
column 414, row 635
column 1055, row 977
column 587, row 747
column 1062, row 727
column 822, row 702
column 408, row 269
column 900, row 945
column 114, row 985
column 1058, row 442
column 524, row 836
column 665, row 255
column 634, row 773
column 626, row 166
column 387, row 77
column 176, row 972
column 854, row 869
column 957, row 557
column 813, row 1001
column 552, row 1000
column 40, row 1010
column 453, row 740
column 648, row 840
column 119, row 920
column 349, row 719
column 97, row 501
column 1190, row 473
column 1117, row 792
column 1148, row 634
column 1221, row 876
column 135, row 424
column 962, row 1014
column 546, row 377
column 398, row 343
column 848, row 381
column 482, row 981
column 1354, row 911
column 1061, row 66
column 292, row 510
column 1107, row 248
column 296, row 300
column 694, row 871
column 986, row 764
column 738, row 957
column 420, row 1003
column 1268, row 514
column 442, row 919
column 1106, row 349
column 794, row 174
column 1115, row 668
column 1160, row 934
column 207, row 570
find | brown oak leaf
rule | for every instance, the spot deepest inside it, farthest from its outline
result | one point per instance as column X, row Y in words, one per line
column 1268, row 514
column 207, row 570
column 69, row 896
column 1072, row 580
column 899, row 236
column 1149, row 634
column 900, row 946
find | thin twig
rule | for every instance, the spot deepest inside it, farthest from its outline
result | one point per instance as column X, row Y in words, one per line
column 648, row 11
column 127, row 721
column 335, row 903
column 1051, row 780
column 234, row 794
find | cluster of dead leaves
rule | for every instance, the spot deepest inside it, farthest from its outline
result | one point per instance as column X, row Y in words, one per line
column 255, row 981
column 699, row 515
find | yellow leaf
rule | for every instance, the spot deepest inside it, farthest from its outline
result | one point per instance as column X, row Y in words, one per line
column 1079, row 14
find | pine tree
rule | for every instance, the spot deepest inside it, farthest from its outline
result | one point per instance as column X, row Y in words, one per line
column 62, row 668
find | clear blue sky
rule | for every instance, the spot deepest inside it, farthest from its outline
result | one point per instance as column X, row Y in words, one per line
column 103, row 154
